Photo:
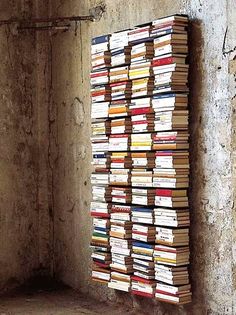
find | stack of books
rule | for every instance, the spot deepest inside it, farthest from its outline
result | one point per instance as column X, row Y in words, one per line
column 172, row 236
column 120, row 281
column 121, row 125
column 172, row 217
column 171, row 198
column 101, row 192
column 100, row 51
column 120, row 176
column 143, row 287
column 118, row 109
column 143, row 159
column 119, row 142
column 142, row 87
column 169, row 102
column 121, row 160
column 176, row 294
column 172, row 159
column 140, row 34
column 140, row 106
column 142, row 52
column 142, row 196
column 120, row 48
column 121, row 194
column 141, row 178
column 172, row 275
column 101, row 127
column 143, row 123
column 139, row 70
column 144, row 233
column 142, row 215
column 101, row 160
column 143, row 260
column 171, row 24
column 101, row 255
column 171, row 256
column 140, row 143
column 170, row 178
column 121, row 249
column 99, row 110
column 172, row 140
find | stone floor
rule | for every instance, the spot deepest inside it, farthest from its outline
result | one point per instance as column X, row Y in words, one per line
column 59, row 302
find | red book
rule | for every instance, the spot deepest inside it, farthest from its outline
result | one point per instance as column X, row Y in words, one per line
column 165, row 24
column 167, row 293
column 139, row 233
column 160, row 138
column 135, row 278
column 98, row 74
column 142, row 293
column 163, row 61
column 172, row 250
column 98, row 93
column 99, row 214
column 164, row 192
column 119, row 136
column 120, row 197
column 139, row 122
column 122, row 102
column 117, row 160
column 101, row 265
column 139, row 30
column 164, row 153
column 119, row 83
column 121, row 209
column 139, row 111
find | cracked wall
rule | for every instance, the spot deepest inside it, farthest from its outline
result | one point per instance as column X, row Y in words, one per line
column 212, row 46
column 24, row 220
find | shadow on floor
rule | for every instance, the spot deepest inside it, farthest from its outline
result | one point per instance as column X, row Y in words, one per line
column 46, row 297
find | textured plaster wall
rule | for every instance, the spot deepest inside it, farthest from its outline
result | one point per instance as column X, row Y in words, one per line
column 212, row 45
column 24, row 220
column 45, row 147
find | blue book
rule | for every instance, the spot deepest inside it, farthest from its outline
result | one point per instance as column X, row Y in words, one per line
column 164, row 95
column 117, row 52
column 143, row 245
column 142, row 209
column 99, row 156
column 100, row 39
column 100, row 229
column 162, row 33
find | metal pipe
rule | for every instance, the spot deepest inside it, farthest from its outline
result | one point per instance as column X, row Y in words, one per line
column 44, row 28
column 48, row 20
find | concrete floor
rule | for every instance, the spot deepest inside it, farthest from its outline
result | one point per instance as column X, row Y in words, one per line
column 59, row 302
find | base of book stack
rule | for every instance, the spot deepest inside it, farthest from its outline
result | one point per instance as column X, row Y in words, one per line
column 140, row 209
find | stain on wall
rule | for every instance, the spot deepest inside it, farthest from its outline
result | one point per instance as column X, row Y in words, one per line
column 212, row 45
column 24, row 228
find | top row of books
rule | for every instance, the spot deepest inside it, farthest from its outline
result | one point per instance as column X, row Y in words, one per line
column 147, row 32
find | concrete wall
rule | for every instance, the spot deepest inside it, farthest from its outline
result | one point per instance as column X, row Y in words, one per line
column 213, row 219
column 24, row 220
column 45, row 147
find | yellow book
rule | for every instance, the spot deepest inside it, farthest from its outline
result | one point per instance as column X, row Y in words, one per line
column 140, row 144
column 116, row 154
column 139, row 71
column 165, row 260
column 140, row 81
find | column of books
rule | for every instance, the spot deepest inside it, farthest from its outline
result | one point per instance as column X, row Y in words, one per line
column 141, row 161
